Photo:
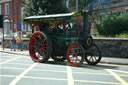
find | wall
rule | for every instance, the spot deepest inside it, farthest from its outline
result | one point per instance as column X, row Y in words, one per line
column 25, row 43
column 111, row 47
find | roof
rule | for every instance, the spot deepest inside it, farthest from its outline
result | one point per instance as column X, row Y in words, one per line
column 3, row 1
column 50, row 17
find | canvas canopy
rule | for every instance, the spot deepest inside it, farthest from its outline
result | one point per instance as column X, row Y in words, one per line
column 66, row 16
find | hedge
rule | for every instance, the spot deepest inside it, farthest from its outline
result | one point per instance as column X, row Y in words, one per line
column 113, row 25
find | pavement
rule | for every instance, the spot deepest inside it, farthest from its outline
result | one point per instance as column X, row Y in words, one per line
column 106, row 60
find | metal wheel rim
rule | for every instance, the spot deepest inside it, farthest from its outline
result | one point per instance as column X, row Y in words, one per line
column 75, row 59
column 94, row 55
column 37, row 47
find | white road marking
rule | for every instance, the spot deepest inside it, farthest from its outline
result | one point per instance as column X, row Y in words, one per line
column 51, row 65
column 26, row 60
column 123, row 82
column 12, row 68
column 43, row 78
column 10, row 60
column 98, row 82
column 33, row 69
column 14, row 82
column 59, row 79
column 61, row 71
column 49, row 70
column 92, row 73
column 69, row 75
column 19, row 64
column 7, row 76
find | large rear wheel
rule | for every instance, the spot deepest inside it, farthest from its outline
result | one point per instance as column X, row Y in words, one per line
column 40, row 47
column 75, row 54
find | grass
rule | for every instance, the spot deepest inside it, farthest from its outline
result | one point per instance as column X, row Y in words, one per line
column 122, row 35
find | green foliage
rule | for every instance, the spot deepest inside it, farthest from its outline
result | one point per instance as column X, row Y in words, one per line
column 43, row 7
column 28, row 35
column 113, row 25
column 123, row 35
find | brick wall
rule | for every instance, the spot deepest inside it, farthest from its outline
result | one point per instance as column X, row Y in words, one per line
column 14, row 12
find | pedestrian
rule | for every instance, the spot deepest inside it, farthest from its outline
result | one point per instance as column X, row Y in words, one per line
column 19, row 42
column 13, row 43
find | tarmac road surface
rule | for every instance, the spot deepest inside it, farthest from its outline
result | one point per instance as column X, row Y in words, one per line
column 21, row 70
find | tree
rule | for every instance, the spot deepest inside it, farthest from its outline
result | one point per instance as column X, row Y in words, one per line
column 44, row 7
column 82, row 4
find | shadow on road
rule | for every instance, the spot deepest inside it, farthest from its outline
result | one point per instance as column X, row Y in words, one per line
column 99, row 67
column 56, row 63
column 96, row 67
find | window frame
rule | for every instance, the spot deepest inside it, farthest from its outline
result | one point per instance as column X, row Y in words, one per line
column 6, row 8
column 0, row 10
column 29, row 28
column 24, row 27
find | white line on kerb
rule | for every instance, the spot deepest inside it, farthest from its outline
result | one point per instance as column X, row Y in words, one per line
column 10, row 60
column 22, row 74
column 69, row 75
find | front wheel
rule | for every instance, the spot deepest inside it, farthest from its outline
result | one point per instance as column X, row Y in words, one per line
column 93, row 55
column 75, row 54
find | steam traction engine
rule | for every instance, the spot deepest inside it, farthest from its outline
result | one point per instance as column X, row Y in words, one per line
column 62, row 36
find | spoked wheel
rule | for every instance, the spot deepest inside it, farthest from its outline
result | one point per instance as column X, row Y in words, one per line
column 75, row 54
column 93, row 55
column 40, row 47
column 59, row 58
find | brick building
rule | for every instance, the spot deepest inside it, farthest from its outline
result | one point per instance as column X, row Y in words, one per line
column 12, row 11
column 106, row 6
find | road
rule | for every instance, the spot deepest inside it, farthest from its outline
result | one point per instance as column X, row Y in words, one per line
column 21, row 70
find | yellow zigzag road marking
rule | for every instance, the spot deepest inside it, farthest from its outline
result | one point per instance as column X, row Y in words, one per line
column 123, row 82
column 121, row 71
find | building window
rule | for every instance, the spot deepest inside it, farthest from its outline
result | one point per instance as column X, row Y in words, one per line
column 22, row 10
column 6, row 27
column 0, row 10
column 14, row 26
column 7, row 8
column 29, row 28
column 24, row 27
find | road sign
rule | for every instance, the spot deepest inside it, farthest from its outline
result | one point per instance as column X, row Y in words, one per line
column 19, row 26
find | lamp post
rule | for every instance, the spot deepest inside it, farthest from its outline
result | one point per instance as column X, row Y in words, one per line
column 77, row 10
column 1, row 26
column 3, row 38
